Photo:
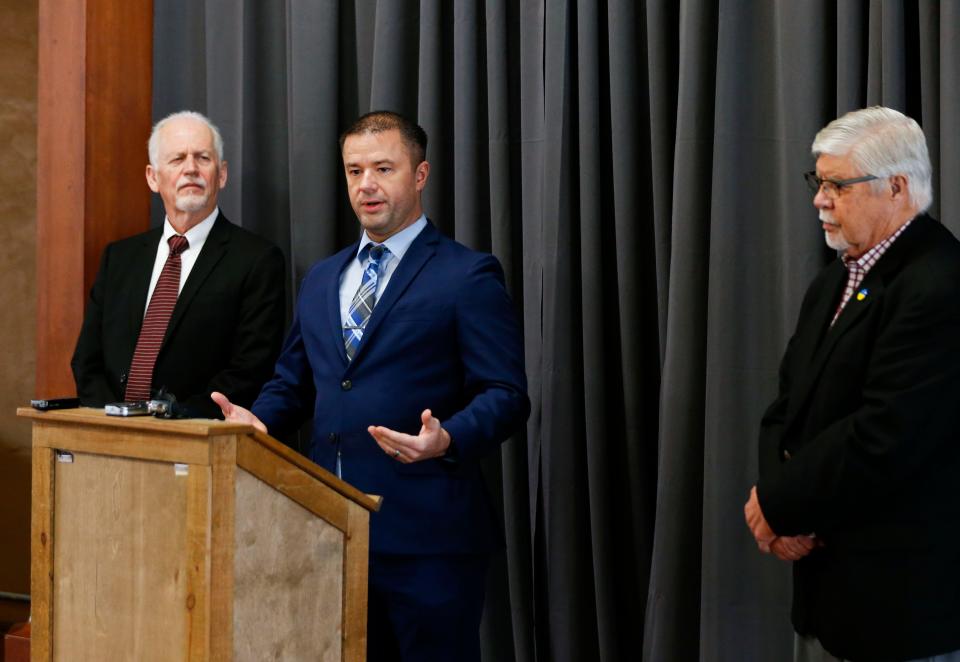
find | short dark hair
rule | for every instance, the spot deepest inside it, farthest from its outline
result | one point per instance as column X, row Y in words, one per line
column 379, row 121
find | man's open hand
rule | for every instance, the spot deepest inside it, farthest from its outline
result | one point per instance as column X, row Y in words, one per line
column 236, row 413
column 433, row 440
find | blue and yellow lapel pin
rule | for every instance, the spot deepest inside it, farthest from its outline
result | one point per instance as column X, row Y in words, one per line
column 862, row 294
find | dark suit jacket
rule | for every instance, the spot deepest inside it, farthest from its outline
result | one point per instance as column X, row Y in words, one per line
column 862, row 448
column 225, row 332
column 442, row 336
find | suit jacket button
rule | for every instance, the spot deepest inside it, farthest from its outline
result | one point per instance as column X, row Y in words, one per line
column 786, row 455
column 332, row 437
column 346, row 385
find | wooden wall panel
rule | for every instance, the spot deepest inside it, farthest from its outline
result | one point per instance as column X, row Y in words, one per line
column 95, row 73
column 118, row 107
column 18, row 269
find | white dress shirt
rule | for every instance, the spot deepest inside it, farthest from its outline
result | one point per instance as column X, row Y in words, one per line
column 196, row 236
column 397, row 245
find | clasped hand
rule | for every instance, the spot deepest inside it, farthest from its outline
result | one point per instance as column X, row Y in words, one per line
column 785, row 548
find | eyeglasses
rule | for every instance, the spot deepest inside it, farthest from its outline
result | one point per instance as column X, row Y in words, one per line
column 832, row 187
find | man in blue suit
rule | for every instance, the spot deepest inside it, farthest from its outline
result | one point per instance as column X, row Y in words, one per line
column 406, row 351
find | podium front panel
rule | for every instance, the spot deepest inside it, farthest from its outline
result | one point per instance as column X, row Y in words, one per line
column 126, row 582
column 288, row 578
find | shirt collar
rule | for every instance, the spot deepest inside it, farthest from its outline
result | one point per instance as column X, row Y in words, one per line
column 195, row 235
column 398, row 243
column 868, row 259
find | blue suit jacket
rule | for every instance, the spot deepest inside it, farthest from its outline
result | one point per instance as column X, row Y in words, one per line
column 443, row 336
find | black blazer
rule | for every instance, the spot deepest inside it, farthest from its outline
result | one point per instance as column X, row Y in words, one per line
column 225, row 332
column 862, row 448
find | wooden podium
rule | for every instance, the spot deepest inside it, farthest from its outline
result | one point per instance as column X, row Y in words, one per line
column 190, row 540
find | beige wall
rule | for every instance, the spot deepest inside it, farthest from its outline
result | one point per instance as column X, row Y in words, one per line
column 18, row 169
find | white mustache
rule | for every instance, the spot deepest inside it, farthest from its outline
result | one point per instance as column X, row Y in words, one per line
column 825, row 217
column 196, row 181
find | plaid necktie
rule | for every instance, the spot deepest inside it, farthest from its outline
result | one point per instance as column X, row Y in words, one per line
column 363, row 301
column 155, row 322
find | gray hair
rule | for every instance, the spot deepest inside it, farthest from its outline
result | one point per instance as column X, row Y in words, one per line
column 153, row 145
column 882, row 142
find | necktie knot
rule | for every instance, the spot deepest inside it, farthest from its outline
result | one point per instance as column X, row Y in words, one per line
column 178, row 243
column 376, row 252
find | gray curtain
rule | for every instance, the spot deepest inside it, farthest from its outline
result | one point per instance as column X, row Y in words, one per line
column 636, row 168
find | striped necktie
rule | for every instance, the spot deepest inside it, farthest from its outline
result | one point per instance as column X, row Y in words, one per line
column 363, row 301
column 155, row 322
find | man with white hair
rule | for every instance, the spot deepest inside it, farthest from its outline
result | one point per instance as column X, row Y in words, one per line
column 859, row 455
column 192, row 307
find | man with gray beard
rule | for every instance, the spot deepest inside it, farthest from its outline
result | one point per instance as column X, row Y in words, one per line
column 192, row 307
column 859, row 454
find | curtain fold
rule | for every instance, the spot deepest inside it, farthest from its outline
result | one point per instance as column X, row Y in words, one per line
column 673, row 598
column 635, row 166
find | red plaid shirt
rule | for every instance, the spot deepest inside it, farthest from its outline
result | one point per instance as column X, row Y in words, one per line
column 857, row 268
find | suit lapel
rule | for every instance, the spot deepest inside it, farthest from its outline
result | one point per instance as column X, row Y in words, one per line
column 869, row 291
column 333, row 302
column 852, row 314
column 811, row 337
column 142, row 267
column 817, row 324
column 214, row 248
column 419, row 253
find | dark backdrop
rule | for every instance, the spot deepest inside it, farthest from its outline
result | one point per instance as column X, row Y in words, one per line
column 636, row 166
